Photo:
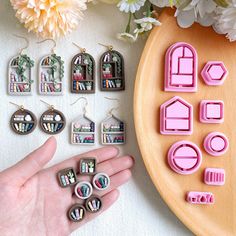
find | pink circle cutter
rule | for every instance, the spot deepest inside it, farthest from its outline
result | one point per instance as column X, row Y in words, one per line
column 184, row 157
column 216, row 144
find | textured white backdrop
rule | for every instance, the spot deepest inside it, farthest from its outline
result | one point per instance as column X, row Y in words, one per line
column 139, row 210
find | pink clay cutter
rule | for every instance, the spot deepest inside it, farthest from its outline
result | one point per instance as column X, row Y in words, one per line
column 214, row 73
column 216, row 144
column 211, row 111
column 184, row 157
column 176, row 117
column 181, row 68
column 214, row 176
column 200, row 198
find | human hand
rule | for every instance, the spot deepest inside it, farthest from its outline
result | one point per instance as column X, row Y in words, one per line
column 33, row 203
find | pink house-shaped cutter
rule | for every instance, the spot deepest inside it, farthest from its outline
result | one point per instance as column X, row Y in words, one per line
column 176, row 117
column 181, row 68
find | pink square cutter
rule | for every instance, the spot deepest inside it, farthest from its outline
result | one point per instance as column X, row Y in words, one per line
column 181, row 68
column 211, row 111
column 176, row 117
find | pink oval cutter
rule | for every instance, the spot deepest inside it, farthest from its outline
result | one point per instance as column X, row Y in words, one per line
column 184, row 157
column 216, row 144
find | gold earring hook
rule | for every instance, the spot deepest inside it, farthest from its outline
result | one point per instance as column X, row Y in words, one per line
column 110, row 112
column 20, row 106
column 83, row 50
column 110, row 47
column 50, row 106
column 85, row 106
column 52, row 40
column 26, row 40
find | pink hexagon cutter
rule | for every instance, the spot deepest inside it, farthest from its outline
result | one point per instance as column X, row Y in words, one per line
column 181, row 68
column 184, row 157
column 214, row 73
column 200, row 198
column 216, row 144
column 176, row 117
column 211, row 111
column 214, row 176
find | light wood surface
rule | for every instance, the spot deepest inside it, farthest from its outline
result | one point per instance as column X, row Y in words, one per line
column 220, row 218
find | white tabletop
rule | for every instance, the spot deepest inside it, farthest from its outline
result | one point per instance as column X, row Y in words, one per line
column 140, row 209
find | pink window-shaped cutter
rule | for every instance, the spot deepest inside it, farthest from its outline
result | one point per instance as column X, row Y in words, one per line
column 211, row 111
column 214, row 73
column 184, row 157
column 200, row 198
column 181, row 68
column 214, row 176
column 216, row 144
column 176, row 117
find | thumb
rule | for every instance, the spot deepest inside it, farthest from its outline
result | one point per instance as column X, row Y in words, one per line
column 32, row 163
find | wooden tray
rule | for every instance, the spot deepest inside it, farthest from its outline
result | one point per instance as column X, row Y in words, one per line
column 217, row 219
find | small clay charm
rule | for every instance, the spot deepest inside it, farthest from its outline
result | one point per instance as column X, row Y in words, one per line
column 93, row 204
column 67, row 177
column 23, row 121
column 87, row 166
column 101, row 181
column 76, row 213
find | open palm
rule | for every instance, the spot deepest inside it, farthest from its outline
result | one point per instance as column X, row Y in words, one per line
column 33, row 203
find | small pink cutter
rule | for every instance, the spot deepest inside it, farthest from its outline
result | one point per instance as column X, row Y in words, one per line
column 214, row 176
column 184, row 157
column 216, row 144
column 211, row 111
column 181, row 68
column 176, row 117
column 200, row 198
column 214, row 73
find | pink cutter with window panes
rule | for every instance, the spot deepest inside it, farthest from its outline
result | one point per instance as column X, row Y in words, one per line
column 176, row 117
column 181, row 68
column 211, row 111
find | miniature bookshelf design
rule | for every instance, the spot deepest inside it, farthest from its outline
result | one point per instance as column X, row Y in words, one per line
column 113, row 131
column 83, row 131
column 52, row 121
column 19, row 75
column 51, row 73
column 23, row 122
column 82, row 74
column 112, row 71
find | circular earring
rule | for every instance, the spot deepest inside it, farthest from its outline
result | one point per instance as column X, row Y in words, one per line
column 23, row 121
column 52, row 121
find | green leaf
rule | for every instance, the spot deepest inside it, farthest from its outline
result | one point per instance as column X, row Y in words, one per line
column 221, row 3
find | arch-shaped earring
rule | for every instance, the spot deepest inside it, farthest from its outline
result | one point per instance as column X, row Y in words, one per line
column 82, row 72
column 51, row 72
column 19, row 72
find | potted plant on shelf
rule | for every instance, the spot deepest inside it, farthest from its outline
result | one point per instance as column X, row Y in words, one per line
column 88, row 85
column 118, row 83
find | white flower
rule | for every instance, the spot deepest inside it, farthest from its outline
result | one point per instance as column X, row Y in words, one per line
column 226, row 21
column 130, row 5
column 201, row 11
column 146, row 24
column 127, row 37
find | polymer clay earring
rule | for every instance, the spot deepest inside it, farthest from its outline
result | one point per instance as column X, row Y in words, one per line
column 112, row 75
column 23, row 121
column 82, row 72
column 112, row 128
column 51, row 73
column 19, row 72
column 52, row 121
column 83, row 128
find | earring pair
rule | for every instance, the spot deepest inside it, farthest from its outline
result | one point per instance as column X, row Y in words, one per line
column 112, row 76
column 24, row 121
column 51, row 72
column 83, row 128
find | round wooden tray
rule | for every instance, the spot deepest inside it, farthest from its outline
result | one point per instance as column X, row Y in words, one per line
column 217, row 219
